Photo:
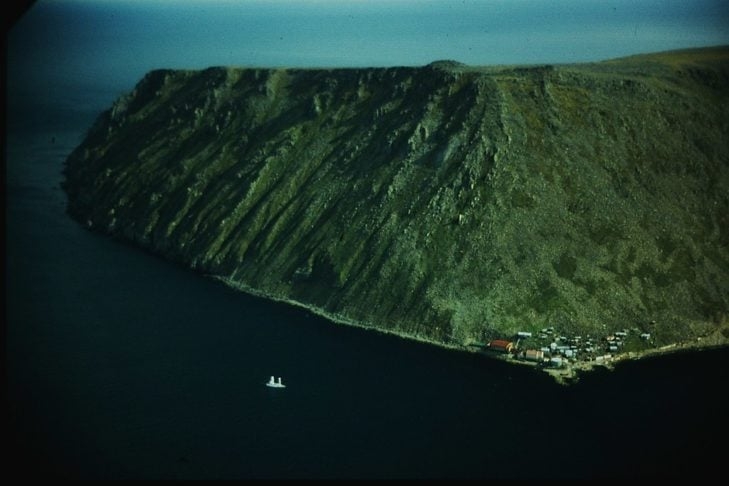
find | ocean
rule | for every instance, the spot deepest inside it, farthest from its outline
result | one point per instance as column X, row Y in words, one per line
column 121, row 365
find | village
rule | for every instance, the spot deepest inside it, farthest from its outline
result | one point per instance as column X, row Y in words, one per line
column 554, row 351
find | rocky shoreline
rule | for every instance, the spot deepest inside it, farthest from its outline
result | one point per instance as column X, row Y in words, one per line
column 568, row 374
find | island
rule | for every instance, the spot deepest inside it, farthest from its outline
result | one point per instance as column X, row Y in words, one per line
column 564, row 216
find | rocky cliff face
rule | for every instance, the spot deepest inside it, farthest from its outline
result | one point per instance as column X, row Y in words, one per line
column 444, row 202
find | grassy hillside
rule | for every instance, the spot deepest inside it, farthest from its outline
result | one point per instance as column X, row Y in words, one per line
column 446, row 202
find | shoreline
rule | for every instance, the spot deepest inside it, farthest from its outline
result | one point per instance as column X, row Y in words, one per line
column 571, row 373
column 565, row 375
column 335, row 318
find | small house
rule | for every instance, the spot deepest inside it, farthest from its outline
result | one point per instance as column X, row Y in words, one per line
column 524, row 334
column 534, row 355
column 501, row 346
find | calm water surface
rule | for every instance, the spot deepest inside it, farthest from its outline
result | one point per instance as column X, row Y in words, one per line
column 123, row 365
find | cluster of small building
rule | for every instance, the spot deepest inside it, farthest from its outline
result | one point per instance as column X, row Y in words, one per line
column 557, row 351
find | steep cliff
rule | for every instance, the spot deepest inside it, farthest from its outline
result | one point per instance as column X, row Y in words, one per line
column 444, row 202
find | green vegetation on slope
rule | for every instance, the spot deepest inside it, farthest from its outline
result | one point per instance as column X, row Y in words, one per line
column 448, row 202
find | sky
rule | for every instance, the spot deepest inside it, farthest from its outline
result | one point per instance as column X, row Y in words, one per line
column 113, row 43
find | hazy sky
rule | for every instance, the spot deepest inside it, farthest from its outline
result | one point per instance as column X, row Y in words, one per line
column 114, row 42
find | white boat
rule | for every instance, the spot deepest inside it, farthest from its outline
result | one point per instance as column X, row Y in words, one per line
column 275, row 384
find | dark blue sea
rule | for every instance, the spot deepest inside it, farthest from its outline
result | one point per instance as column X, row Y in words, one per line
column 120, row 365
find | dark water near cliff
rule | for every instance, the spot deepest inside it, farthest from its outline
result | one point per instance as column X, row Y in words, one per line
column 122, row 365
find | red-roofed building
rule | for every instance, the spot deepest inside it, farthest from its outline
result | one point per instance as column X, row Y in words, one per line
column 501, row 346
